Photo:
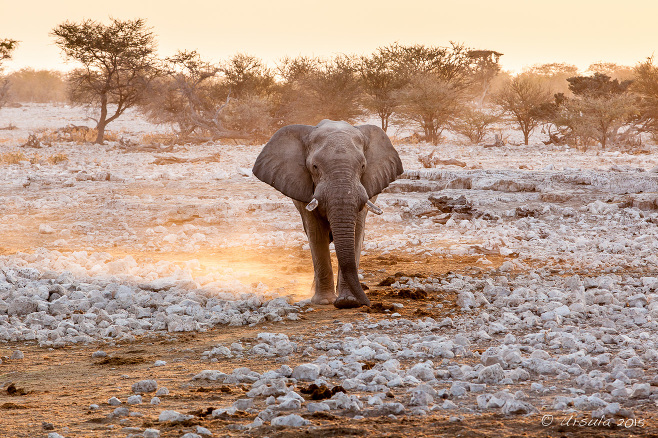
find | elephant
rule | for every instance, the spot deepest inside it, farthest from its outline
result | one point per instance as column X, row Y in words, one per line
column 333, row 172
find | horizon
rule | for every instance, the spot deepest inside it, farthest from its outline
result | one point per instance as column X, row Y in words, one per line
column 552, row 36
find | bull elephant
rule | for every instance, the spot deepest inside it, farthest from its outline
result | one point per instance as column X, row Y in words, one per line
column 333, row 172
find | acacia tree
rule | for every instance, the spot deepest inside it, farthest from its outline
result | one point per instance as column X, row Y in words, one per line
column 484, row 66
column 334, row 89
column 600, row 106
column 292, row 96
column 381, row 83
column 554, row 76
column 118, row 62
column 7, row 46
column 246, row 75
column 646, row 85
column 437, row 83
column 522, row 97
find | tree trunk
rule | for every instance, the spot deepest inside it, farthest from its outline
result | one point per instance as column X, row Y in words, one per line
column 102, row 121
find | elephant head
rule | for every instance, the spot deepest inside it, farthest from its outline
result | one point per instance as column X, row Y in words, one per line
column 335, row 168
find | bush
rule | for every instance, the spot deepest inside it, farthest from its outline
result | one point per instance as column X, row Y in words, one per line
column 40, row 86
column 249, row 115
column 474, row 123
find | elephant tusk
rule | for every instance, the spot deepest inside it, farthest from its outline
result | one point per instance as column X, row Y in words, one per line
column 312, row 205
column 372, row 207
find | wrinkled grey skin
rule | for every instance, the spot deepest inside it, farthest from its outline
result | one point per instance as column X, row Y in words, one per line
column 342, row 166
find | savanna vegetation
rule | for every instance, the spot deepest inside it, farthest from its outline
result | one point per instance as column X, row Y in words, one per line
column 424, row 89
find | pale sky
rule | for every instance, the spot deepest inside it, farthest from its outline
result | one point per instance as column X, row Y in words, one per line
column 527, row 31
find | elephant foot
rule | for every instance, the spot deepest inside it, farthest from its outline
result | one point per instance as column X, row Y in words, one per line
column 324, row 299
column 349, row 302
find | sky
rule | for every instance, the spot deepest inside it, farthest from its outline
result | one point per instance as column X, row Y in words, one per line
column 527, row 32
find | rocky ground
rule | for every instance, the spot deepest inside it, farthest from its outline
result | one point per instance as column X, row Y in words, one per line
column 164, row 291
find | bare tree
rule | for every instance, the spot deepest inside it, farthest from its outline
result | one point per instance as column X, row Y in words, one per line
column 7, row 46
column 521, row 97
column 118, row 62
column 186, row 95
column 192, row 96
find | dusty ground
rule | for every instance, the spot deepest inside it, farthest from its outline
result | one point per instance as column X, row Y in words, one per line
column 108, row 200
column 60, row 384
column 56, row 386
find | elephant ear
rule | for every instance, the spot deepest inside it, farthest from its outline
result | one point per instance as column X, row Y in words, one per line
column 383, row 162
column 282, row 163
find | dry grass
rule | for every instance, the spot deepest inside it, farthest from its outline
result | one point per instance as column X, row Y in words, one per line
column 74, row 134
column 13, row 157
column 414, row 138
column 57, row 158
column 16, row 157
column 163, row 139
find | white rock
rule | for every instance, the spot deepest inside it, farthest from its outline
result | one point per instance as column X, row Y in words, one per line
column 151, row 433
column 211, row 375
column 134, row 400
column 203, row 431
column 292, row 420
column 16, row 355
column 518, row 407
column 641, row 390
column 318, row 407
column 169, row 416
column 458, row 389
column 46, row 229
column 492, row 374
column 306, row 371
column 114, row 401
column 145, row 386
column 162, row 391
column 243, row 404
column 422, row 371
column 120, row 412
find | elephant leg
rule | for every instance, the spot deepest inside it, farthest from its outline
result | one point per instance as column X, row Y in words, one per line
column 344, row 293
column 318, row 233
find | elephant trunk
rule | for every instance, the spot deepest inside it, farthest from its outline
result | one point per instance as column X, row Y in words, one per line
column 342, row 215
